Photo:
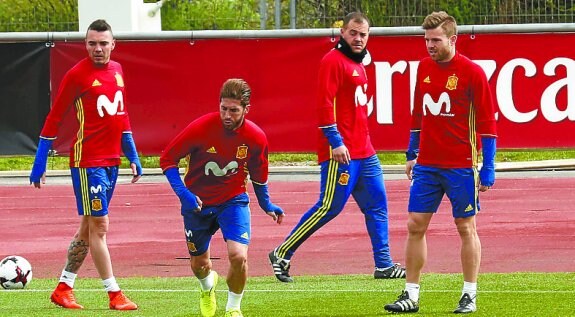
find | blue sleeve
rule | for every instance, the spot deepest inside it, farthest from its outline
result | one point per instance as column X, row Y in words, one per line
column 487, row 172
column 129, row 149
column 263, row 196
column 333, row 136
column 187, row 198
column 39, row 166
column 413, row 147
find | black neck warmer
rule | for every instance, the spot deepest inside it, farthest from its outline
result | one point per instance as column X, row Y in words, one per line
column 343, row 47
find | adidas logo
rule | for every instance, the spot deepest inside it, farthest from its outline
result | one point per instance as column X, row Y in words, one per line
column 96, row 83
column 212, row 150
column 427, row 80
column 469, row 208
column 245, row 235
column 355, row 74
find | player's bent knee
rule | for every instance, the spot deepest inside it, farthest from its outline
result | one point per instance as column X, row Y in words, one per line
column 417, row 227
column 238, row 259
column 466, row 225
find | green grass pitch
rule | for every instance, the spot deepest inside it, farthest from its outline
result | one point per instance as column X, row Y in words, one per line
column 513, row 294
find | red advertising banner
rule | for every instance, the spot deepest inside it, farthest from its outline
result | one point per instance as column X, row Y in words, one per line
column 170, row 83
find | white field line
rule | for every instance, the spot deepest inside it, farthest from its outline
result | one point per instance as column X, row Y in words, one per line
column 299, row 291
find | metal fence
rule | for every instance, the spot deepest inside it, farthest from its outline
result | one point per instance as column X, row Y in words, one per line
column 324, row 13
column 37, row 20
column 486, row 12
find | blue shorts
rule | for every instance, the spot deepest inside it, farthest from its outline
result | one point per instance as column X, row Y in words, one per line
column 233, row 217
column 93, row 187
column 429, row 184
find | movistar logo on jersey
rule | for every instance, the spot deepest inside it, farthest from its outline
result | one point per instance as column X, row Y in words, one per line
column 435, row 107
column 216, row 170
column 112, row 108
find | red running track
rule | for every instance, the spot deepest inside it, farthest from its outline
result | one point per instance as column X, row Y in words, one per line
column 526, row 224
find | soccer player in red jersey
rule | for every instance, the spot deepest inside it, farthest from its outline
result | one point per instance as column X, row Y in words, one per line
column 453, row 105
column 95, row 88
column 348, row 162
column 221, row 150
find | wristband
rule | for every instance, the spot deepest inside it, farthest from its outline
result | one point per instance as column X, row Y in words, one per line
column 39, row 166
column 129, row 149
column 413, row 147
column 333, row 136
column 187, row 198
column 263, row 196
column 489, row 148
column 487, row 172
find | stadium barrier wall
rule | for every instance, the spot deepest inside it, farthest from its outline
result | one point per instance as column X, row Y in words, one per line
column 24, row 95
column 174, row 77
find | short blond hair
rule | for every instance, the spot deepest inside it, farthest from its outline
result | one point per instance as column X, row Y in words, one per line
column 440, row 19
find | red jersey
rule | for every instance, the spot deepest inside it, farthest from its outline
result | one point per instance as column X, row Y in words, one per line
column 97, row 93
column 342, row 100
column 219, row 160
column 453, row 104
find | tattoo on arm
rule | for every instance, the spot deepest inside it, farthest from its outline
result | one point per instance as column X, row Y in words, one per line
column 77, row 252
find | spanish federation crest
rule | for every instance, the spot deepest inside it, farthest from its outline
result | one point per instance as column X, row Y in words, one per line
column 192, row 247
column 96, row 204
column 242, row 152
column 451, row 82
column 343, row 179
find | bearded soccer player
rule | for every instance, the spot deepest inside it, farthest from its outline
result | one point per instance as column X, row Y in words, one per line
column 348, row 162
column 453, row 104
column 95, row 87
column 221, row 150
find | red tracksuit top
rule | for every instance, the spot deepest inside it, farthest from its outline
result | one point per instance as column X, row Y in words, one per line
column 453, row 105
column 98, row 96
column 342, row 99
column 219, row 160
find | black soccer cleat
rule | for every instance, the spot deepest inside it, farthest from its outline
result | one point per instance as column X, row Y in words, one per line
column 403, row 304
column 280, row 267
column 466, row 305
column 395, row 271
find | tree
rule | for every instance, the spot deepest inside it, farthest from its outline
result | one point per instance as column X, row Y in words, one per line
column 62, row 15
column 210, row 15
column 39, row 15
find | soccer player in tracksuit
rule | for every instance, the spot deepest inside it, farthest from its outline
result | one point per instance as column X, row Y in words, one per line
column 221, row 150
column 95, row 87
column 453, row 105
column 348, row 162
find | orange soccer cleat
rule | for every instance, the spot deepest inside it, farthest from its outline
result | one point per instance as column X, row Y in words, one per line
column 119, row 301
column 63, row 296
